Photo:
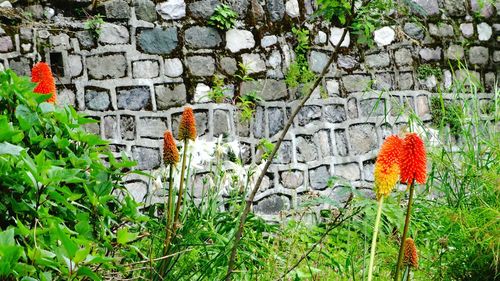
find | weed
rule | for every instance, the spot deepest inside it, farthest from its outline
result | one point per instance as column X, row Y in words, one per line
column 94, row 25
column 223, row 18
column 299, row 72
column 427, row 70
column 247, row 105
column 217, row 93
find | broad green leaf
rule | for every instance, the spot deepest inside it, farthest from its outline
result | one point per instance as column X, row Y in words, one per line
column 10, row 149
column 123, row 236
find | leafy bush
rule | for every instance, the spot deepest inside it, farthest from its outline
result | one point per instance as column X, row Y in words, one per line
column 64, row 212
column 223, row 18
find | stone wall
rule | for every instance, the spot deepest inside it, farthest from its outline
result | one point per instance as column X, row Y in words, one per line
column 151, row 59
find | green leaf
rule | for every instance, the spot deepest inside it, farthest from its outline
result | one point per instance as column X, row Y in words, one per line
column 87, row 272
column 26, row 117
column 10, row 149
column 123, row 236
column 69, row 246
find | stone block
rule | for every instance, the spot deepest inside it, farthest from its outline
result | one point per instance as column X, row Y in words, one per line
column 66, row 97
column 268, row 41
column 317, row 61
column 268, row 89
column 201, row 118
column 323, row 141
column 117, row 9
column 202, row 9
column 152, row 127
column 347, row 62
column 133, row 98
column 455, row 52
column 368, row 168
column 292, row 179
column 170, row 95
column 467, row 29
column 414, row 30
column 201, row 65
column 308, row 114
column 221, row 123
column 363, row 138
column 147, row 158
column 276, row 119
column 145, row 69
column 127, row 127
column 403, row 57
column 228, row 65
column 455, row 8
column 107, row 66
column 384, row 36
column 173, row 67
column 171, row 9
column 484, row 8
column 237, row 40
column 378, row 60
column 372, row 107
column 6, row 44
column 356, row 82
column 318, row 177
column 484, row 31
column 383, row 82
column 111, row 128
column 158, row 41
column 85, row 39
column 430, row 54
column 306, row 149
column 341, row 143
column 478, row 55
column 352, row 108
column 74, row 65
column 239, row 6
column 113, row 34
column 145, row 10
column 426, row 8
column 284, row 155
column 201, row 37
column 97, row 99
column 334, row 113
column 335, row 36
column 405, row 81
column 348, row 171
column 441, row 30
column 272, row 205
column 254, row 63
column 276, row 9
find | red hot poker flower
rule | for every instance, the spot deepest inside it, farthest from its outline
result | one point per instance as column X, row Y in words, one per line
column 42, row 75
column 187, row 127
column 413, row 161
column 410, row 254
column 170, row 152
column 387, row 167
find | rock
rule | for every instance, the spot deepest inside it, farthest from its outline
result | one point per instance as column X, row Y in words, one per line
column 455, row 52
column 268, row 41
column 113, row 34
column 173, row 67
column 403, row 57
column 484, row 8
column 201, row 93
column 496, row 56
column 170, row 95
column 378, row 60
column 172, row 9
column 134, row 98
column 335, row 113
column 308, row 114
column 117, row 9
column 110, row 127
column 363, row 138
column 426, row 8
column 341, row 142
column 383, row 82
column 414, row 30
column 61, row 40
column 237, row 40
column 145, row 10
column 152, row 127
column 292, row 179
column 318, row 177
column 239, row 6
column 384, row 36
column 276, row 9
column 203, row 9
column 21, row 66
column 36, row 11
column 467, row 29
column 292, row 8
column 127, row 127
column 200, row 65
column 336, row 34
column 199, row 37
column 228, row 65
column 66, row 97
column 276, row 119
column 478, row 55
column 254, row 63
column 484, row 31
column 74, row 65
column 332, row 87
column 48, row 12
column 138, row 190
column 85, row 38
column 158, row 41
column 268, row 89
column 441, row 30
column 372, row 107
column 6, row 44
column 347, row 62
column 6, row 4
column 306, row 149
column 145, row 69
column 356, row 82
column 348, row 171
column 455, row 8
column 321, row 38
column 221, row 123
column 317, row 61
column 147, row 158
column 428, row 54
column 274, row 59
column 107, row 66
column 272, row 205
column 97, row 99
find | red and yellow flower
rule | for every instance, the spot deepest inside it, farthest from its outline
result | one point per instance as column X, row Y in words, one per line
column 41, row 74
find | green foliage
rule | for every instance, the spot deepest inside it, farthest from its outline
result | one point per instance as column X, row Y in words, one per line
column 217, row 93
column 247, row 103
column 242, row 74
column 334, row 11
column 447, row 113
column 94, row 25
column 299, row 72
column 369, row 17
column 267, row 147
column 59, row 205
column 223, row 18
column 427, row 70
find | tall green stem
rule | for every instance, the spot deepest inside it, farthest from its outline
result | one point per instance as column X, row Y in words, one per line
column 405, row 232
column 170, row 208
column 374, row 239
column 181, row 188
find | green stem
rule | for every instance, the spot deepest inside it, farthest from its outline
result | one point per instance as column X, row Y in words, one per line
column 181, row 188
column 374, row 239
column 170, row 208
column 405, row 232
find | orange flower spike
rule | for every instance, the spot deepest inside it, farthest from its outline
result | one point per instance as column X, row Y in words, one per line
column 411, row 255
column 387, row 166
column 170, row 152
column 187, row 127
column 413, row 160
column 41, row 74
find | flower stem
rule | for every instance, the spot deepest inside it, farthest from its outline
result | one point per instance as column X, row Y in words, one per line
column 405, row 232
column 374, row 239
column 181, row 188
column 170, row 207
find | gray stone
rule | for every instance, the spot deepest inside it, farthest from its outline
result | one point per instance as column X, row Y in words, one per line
column 335, row 113
column 138, row 190
column 341, row 142
column 237, row 40
column 429, row 54
column 173, row 67
column 363, row 138
column 145, row 69
column 272, row 205
column 336, row 35
column 292, row 179
column 383, row 82
column 467, row 29
column 92, row 128
column 478, row 55
column 496, row 56
column 117, row 9
column 107, row 66
column 484, row 8
column 276, row 119
column 405, row 81
column 318, row 177
column 66, row 97
column 60, row 40
column 74, row 65
column 414, row 30
column 6, row 4
column 147, row 158
column 113, row 34
column 171, row 9
column 239, row 6
column 484, row 31
column 152, row 127
column 259, row 122
column 221, row 123
column 455, row 8
column 323, row 143
column 25, row 33
column 441, row 30
column 348, row 171
column 36, row 11
column 21, row 66
column 199, row 37
column 356, row 82
column 203, row 9
column 201, row 66
column 308, row 114
column 455, row 52
column 378, row 60
column 422, row 105
column 317, row 61
column 426, row 8
column 110, row 127
column 85, row 38
column 268, row 41
column 332, row 87
column 6, row 44
column 292, row 8
column 127, row 127
column 403, row 57
column 254, row 63
column 372, row 107
column 145, row 10
column 134, row 98
column 347, row 62
column 228, row 65
column 306, row 149
column 267, row 89
column 97, row 99
column 274, row 60
column 170, row 95
column 276, row 9
column 256, row 11
column 158, row 41
column 384, row 36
